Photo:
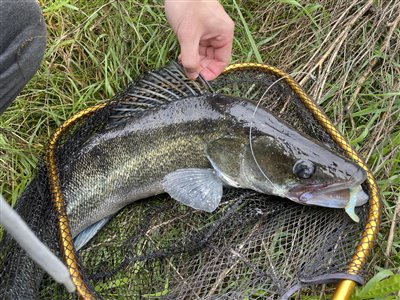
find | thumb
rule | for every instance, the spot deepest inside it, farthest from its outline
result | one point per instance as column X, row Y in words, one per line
column 190, row 57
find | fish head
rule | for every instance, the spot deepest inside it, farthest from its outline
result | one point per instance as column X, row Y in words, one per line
column 300, row 169
column 268, row 155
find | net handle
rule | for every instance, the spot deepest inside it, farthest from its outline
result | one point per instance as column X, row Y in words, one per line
column 370, row 232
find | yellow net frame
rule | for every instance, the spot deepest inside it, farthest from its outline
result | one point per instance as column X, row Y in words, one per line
column 362, row 251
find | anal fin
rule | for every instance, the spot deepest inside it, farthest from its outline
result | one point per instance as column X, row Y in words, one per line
column 88, row 233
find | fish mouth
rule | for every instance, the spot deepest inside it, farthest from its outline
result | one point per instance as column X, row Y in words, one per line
column 335, row 195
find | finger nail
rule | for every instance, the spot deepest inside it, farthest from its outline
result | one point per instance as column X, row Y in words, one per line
column 193, row 75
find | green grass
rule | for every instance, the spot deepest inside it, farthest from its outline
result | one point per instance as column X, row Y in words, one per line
column 96, row 47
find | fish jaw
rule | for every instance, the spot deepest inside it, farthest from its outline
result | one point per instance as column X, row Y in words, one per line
column 336, row 195
column 333, row 199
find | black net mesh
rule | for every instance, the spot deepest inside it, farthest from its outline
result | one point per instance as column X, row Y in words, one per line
column 253, row 247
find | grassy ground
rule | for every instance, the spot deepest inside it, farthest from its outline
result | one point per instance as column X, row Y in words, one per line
column 350, row 47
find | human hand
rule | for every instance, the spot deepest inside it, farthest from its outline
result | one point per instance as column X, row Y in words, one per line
column 205, row 34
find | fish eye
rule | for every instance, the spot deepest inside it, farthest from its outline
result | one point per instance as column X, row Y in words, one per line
column 303, row 169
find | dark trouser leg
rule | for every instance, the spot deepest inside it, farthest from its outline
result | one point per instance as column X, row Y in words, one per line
column 22, row 45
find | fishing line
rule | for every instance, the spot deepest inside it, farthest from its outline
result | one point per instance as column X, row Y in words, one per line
column 254, row 113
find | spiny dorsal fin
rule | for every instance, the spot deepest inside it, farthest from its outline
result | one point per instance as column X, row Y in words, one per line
column 157, row 88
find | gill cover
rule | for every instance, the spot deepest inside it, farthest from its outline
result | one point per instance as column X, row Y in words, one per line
column 225, row 156
column 233, row 158
column 266, row 167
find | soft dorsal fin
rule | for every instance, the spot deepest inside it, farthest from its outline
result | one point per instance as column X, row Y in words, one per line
column 156, row 88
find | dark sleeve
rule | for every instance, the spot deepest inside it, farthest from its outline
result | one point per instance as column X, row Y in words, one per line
column 22, row 45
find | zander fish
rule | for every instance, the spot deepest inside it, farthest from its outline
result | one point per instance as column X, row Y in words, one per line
column 167, row 134
column 190, row 148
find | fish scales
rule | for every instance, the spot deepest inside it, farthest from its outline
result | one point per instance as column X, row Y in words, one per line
column 165, row 133
column 189, row 146
column 128, row 163
column 171, row 148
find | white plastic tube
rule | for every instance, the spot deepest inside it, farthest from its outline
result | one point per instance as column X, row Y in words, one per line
column 28, row 241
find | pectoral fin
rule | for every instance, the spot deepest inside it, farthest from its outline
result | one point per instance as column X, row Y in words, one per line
column 198, row 188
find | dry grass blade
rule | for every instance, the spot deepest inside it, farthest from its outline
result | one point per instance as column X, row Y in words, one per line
column 336, row 44
column 374, row 61
column 96, row 47
column 396, row 215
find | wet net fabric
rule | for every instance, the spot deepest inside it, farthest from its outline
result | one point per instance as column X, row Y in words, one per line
column 253, row 247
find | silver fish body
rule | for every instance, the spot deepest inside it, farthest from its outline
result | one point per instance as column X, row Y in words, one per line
column 169, row 134
column 130, row 162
